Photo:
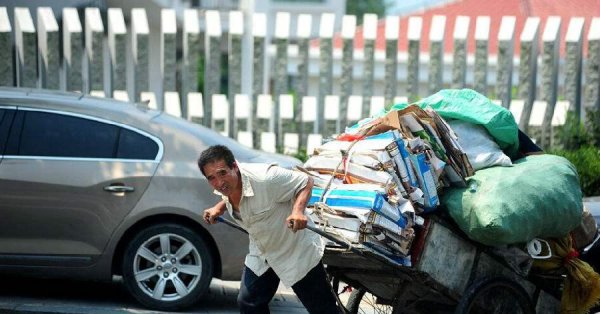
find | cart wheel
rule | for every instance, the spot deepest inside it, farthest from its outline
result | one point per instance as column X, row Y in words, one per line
column 361, row 301
column 495, row 295
column 341, row 291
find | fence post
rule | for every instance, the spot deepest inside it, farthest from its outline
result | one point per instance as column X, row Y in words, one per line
column 459, row 62
column 415, row 24
column 212, row 62
column 117, row 44
column 528, row 68
column 191, row 57
column 234, row 86
column 437, row 32
column 241, row 103
column 303, row 33
column 72, row 50
column 236, row 31
column 392, row 28
column 574, row 46
column 354, row 109
column 482, row 38
column 286, row 119
column 48, row 53
column 550, row 55
column 369, row 36
column 347, row 79
column 168, row 48
column 220, row 114
column 25, row 46
column 94, row 51
column 309, row 114
column 331, row 115
column 140, row 52
column 506, row 54
column 264, row 114
column 326, row 26
column 6, row 53
column 259, row 33
column 282, row 33
column 592, row 67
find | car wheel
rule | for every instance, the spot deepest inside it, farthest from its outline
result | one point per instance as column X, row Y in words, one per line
column 167, row 267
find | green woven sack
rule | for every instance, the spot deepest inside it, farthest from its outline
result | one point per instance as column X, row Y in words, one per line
column 469, row 105
column 539, row 196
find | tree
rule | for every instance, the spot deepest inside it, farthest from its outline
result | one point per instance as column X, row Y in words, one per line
column 360, row 7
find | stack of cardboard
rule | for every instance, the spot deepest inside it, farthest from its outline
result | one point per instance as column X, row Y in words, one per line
column 373, row 182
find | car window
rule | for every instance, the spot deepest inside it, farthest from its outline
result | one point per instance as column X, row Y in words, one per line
column 6, row 117
column 57, row 135
column 133, row 145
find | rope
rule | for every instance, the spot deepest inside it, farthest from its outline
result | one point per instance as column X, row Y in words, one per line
column 344, row 160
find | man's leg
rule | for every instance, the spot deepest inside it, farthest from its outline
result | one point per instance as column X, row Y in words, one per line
column 257, row 291
column 314, row 291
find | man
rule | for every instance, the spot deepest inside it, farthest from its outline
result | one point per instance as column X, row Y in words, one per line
column 268, row 201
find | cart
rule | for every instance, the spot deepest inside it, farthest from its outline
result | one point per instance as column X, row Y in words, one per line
column 449, row 274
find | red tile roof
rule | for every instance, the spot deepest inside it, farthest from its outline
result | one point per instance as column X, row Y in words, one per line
column 495, row 9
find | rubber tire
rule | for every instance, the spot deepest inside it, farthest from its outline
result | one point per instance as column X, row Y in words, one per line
column 355, row 298
column 476, row 290
column 195, row 294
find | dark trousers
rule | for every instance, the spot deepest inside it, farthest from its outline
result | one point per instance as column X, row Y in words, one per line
column 313, row 291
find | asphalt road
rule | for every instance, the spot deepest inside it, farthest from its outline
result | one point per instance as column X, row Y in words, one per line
column 18, row 295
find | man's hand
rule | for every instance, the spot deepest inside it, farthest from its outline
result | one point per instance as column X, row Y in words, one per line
column 210, row 214
column 296, row 221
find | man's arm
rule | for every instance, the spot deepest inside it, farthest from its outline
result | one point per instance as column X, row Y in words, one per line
column 211, row 214
column 297, row 220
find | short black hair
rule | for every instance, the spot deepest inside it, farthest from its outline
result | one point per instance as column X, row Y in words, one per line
column 216, row 153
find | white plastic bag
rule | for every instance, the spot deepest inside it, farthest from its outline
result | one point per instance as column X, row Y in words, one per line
column 480, row 147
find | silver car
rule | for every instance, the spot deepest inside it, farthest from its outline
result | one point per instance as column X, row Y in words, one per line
column 92, row 188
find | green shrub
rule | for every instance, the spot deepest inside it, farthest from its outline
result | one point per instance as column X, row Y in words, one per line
column 302, row 155
column 580, row 144
column 587, row 161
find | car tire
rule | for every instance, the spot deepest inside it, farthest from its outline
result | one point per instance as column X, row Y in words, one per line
column 167, row 267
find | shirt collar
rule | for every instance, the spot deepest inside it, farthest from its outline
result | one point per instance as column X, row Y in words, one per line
column 246, row 186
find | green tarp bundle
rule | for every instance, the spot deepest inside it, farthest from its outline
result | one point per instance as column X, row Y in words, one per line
column 468, row 105
column 539, row 196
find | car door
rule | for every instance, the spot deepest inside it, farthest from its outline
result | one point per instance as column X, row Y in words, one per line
column 67, row 181
column 6, row 117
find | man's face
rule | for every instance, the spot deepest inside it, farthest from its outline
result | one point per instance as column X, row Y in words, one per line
column 221, row 177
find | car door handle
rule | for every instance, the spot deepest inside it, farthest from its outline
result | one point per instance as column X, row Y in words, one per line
column 119, row 188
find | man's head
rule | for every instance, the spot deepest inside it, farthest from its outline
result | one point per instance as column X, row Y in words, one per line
column 220, row 169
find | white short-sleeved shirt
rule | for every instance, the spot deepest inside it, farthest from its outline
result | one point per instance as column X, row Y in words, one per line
column 268, row 193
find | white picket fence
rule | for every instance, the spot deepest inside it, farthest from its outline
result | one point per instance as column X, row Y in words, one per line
column 332, row 86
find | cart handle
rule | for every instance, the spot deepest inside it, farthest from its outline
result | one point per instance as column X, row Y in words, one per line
column 231, row 224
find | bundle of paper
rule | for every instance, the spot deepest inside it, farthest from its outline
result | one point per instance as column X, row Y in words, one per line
column 341, row 199
column 387, row 241
column 319, row 179
column 383, row 153
column 430, row 149
column 406, row 157
column 353, row 172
